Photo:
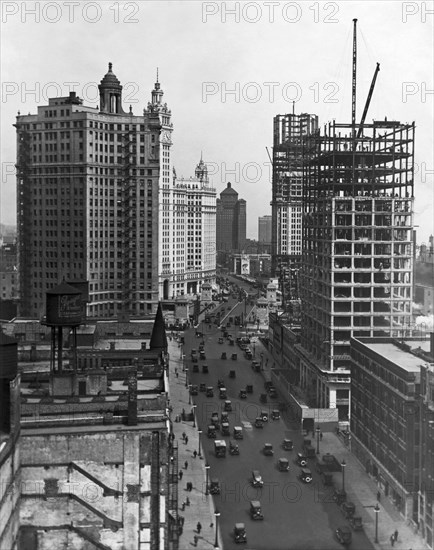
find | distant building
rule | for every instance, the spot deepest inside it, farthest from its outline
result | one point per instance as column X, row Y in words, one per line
column 231, row 221
column 188, row 238
column 264, row 229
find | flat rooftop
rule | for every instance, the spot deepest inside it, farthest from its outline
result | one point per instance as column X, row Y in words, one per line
column 403, row 359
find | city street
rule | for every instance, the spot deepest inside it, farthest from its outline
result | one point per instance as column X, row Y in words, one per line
column 296, row 515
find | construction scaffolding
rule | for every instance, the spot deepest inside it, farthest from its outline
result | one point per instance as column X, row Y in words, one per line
column 356, row 278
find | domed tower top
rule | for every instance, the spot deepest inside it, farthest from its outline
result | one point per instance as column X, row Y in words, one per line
column 157, row 93
column 110, row 93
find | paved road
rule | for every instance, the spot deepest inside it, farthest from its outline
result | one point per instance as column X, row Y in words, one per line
column 297, row 516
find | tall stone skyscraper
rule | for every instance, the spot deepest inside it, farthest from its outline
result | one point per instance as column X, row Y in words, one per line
column 89, row 181
column 231, row 221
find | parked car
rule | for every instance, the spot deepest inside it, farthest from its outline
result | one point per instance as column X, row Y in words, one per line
column 268, row 449
column 194, row 389
column 214, row 487
column 348, row 509
column 343, row 534
column 301, row 460
column 283, row 465
column 356, row 523
column 306, row 475
column 240, row 533
column 339, row 496
column 256, row 479
column 255, row 510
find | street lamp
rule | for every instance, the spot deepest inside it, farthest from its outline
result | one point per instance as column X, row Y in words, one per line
column 343, row 464
column 193, row 409
column 217, row 515
column 254, row 349
column 318, row 431
column 186, row 377
column 207, row 467
column 198, row 445
column 377, row 511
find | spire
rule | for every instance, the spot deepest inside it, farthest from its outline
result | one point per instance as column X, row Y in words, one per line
column 157, row 75
column 158, row 337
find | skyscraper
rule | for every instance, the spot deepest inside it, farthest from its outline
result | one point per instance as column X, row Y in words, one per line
column 188, row 243
column 88, row 185
column 231, row 221
column 356, row 277
column 264, row 229
column 286, row 202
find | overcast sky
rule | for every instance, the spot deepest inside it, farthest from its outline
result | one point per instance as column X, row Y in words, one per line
column 266, row 53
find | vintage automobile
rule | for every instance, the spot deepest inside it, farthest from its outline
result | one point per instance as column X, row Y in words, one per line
column 283, row 465
column 268, row 384
column 249, row 388
column 258, row 422
column 234, row 357
column 215, row 419
column 287, row 444
column 225, row 428
column 256, row 479
column 343, row 534
column 224, row 355
column 233, row 448
column 205, row 369
column 268, row 449
column 224, row 417
column 301, row 460
column 193, row 352
column 339, row 496
column 264, row 416
column 327, row 478
column 201, row 347
column 220, row 448
column 202, row 354
column 309, row 451
column 240, row 533
column 221, row 340
column 194, row 359
column 195, row 367
column 275, row 414
column 243, row 393
column 356, row 523
column 202, row 388
column 348, row 509
column 220, row 383
column 248, row 354
column 222, row 393
column 238, row 432
column 255, row 510
column 256, row 366
column 263, row 398
column 214, row 487
column 228, row 405
column 272, row 393
column 194, row 390
column 209, row 391
column 232, row 374
column 211, row 431
column 306, row 475
column 231, row 343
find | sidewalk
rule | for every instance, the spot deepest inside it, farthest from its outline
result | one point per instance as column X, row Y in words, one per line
column 201, row 508
column 361, row 489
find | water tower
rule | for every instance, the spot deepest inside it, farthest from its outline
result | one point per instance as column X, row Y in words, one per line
column 64, row 309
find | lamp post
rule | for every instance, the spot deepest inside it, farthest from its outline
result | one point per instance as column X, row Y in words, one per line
column 254, row 349
column 207, row 467
column 318, row 431
column 198, row 445
column 193, row 410
column 189, row 394
column 186, row 377
column 343, row 464
column 377, row 511
column 217, row 515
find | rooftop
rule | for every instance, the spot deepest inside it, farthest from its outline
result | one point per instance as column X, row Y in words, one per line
column 403, row 359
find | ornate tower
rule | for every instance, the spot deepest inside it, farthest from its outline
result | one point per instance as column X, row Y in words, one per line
column 110, row 94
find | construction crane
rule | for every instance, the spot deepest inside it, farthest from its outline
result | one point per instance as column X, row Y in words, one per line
column 353, row 100
column 368, row 100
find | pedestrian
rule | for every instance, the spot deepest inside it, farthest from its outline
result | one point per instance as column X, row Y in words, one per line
column 182, row 518
column 183, row 506
column 392, row 539
column 395, row 535
column 378, row 496
column 320, row 435
column 194, row 454
column 191, row 486
column 181, row 473
column 199, row 527
column 187, row 501
column 183, row 433
column 196, row 538
column 185, row 465
column 186, row 439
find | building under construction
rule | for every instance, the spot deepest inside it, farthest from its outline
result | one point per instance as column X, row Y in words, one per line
column 286, row 204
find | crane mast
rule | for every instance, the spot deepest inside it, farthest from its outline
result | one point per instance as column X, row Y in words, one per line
column 368, row 100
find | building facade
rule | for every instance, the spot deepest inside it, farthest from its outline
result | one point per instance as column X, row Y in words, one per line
column 426, row 468
column 287, row 185
column 356, row 278
column 188, row 240
column 89, row 182
column 264, row 229
column 231, row 221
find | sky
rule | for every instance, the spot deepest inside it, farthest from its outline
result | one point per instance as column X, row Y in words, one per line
column 226, row 68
